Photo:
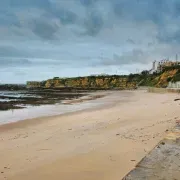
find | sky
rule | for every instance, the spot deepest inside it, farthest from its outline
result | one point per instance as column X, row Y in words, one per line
column 41, row 39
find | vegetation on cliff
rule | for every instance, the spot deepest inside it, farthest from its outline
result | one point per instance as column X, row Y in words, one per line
column 161, row 80
column 89, row 82
column 169, row 74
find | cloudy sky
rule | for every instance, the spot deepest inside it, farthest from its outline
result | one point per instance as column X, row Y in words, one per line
column 40, row 39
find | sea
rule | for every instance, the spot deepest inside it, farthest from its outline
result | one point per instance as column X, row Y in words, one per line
column 31, row 111
column 14, row 95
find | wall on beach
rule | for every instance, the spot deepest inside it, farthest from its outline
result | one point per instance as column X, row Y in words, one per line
column 174, row 85
column 163, row 90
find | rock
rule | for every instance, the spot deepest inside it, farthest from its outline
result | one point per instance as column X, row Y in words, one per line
column 177, row 121
column 176, row 99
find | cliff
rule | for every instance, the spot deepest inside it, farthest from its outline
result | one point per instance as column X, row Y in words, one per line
column 165, row 77
column 89, row 82
column 169, row 74
column 35, row 84
column 160, row 80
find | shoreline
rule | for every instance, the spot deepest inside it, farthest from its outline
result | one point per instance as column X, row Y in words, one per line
column 102, row 143
column 40, row 119
column 59, row 107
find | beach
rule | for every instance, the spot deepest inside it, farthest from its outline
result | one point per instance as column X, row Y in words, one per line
column 101, row 142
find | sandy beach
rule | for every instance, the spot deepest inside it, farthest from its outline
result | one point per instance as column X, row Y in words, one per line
column 99, row 143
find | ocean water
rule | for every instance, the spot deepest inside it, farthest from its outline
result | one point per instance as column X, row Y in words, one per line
column 15, row 94
column 31, row 111
column 57, row 109
column 43, row 111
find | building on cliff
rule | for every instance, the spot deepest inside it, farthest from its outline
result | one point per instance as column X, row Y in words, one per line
column 158, row 66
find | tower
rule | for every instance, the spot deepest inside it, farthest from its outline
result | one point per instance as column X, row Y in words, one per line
column 154, row 65
column 176, row 57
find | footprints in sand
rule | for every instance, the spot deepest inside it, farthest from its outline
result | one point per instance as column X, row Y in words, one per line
column 138, row 136
column 19, row 136
column 3, row 172
column 165, row 121
column 143, row 134
column 111, row 158
column 44, row 149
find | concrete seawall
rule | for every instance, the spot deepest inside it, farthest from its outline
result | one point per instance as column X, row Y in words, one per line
column 163, row 90
column 163, row 162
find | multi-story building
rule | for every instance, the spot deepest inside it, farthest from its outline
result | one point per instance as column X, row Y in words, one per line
column 158, row 66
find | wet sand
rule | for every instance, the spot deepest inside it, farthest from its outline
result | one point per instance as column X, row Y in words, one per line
column 102, row 143
column 65, row 106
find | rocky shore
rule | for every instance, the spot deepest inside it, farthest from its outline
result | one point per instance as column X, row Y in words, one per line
column 22, row 98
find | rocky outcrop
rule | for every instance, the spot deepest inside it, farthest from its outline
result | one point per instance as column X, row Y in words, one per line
column 33, row 84
column 12, row 87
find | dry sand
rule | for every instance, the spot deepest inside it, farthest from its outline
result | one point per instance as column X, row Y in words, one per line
column 96, row 144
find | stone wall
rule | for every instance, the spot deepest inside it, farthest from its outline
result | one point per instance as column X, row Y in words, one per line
column 174, row 85
column 163, row 90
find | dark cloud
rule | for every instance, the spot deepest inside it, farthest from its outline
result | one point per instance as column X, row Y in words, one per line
column 131, row 41
column 10, row 51
column 76, row 31
column 93, row 23
column 8, row 19
column 88, row 3
column 126, row 58
column 11, row 62
column 65, row 16
column 93, row 20
column 140, row 10
column 43, row 29
column 169, row 37
column 25, row 3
